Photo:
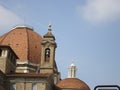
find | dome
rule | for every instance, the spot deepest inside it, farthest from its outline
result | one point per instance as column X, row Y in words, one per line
column 72, row 83
column 25, row 43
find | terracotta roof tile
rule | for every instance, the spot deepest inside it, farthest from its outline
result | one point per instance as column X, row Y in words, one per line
column 72, row 83
column 25, row 43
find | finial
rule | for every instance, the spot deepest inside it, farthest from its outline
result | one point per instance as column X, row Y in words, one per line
column 49, row 27
column 72, row 64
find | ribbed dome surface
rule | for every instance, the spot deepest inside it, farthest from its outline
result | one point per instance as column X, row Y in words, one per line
column 72, row 83
column 25, row 42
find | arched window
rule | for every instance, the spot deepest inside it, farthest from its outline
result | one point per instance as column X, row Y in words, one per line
column 47, row 54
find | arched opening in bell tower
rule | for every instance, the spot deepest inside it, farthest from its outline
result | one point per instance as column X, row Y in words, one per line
column 47, row 55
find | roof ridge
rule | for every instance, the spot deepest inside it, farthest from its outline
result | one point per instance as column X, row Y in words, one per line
column 27, row 43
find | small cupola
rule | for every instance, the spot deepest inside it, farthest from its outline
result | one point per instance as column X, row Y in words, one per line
column 72, row 71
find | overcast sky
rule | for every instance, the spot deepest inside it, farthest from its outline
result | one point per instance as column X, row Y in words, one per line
column 87, row 32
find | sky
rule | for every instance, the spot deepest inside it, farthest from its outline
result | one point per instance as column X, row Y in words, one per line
column 87, row 33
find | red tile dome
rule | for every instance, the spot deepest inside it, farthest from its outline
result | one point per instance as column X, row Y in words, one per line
column 72, row 83
column 25, row 42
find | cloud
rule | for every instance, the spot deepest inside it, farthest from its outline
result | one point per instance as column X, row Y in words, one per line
column 8, row 19
column 98, row 11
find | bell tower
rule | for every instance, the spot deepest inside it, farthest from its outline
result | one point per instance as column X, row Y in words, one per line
column 48, row 52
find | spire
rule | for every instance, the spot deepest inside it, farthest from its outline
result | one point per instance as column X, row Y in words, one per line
column 72, row 71
column 49, row 33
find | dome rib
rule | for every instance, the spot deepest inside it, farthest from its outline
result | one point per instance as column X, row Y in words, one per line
column 27, row 44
